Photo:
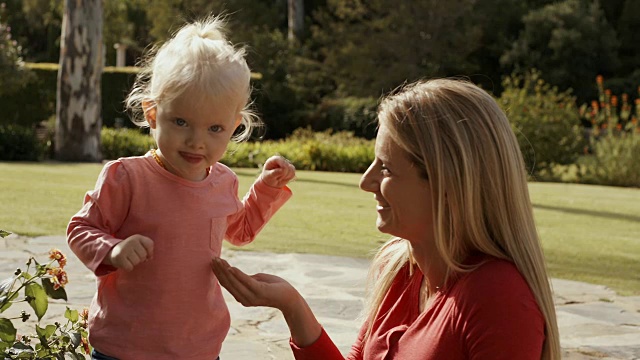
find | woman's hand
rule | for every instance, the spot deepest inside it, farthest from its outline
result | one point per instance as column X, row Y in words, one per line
column 272, row 291
column 255, row 290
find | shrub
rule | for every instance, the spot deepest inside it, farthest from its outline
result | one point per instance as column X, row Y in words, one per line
column 307, row 150
column 545, row 121
column 39, row 282
column 19, row 143
column 611, row 126
column 116, row 143
column 610, row 114
column 615, row 162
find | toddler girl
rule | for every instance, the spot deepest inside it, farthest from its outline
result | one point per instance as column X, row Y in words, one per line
column 153, row 223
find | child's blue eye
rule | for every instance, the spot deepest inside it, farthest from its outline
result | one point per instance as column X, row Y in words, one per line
column 180, row 122
column 215, row 128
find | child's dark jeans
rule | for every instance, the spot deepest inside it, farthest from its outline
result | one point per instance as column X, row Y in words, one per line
column 96, row 355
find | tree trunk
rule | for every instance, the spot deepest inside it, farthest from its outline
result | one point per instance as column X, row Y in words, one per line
column 79, row 98
column 296, row 19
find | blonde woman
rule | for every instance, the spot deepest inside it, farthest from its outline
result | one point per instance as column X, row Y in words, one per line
column 464, row 276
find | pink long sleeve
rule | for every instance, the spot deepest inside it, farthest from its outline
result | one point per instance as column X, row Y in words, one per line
column 171, row 306
column 259, row 204
column 91, row 231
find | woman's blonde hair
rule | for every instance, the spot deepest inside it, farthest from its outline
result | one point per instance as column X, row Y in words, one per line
column 461, row 140
column 197, row 57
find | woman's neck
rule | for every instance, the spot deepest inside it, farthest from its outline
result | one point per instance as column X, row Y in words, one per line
column 431, row 265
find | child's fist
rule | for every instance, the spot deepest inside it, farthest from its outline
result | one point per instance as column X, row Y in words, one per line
column 130, row 252
column 277, row 172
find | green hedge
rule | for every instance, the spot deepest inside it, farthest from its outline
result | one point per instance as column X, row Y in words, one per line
column 36, row 102
column 307, row 150
column 19, row 143
column 116, row 143
column 33, row 103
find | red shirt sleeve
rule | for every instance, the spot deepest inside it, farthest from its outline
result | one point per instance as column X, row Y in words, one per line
column 321, row 349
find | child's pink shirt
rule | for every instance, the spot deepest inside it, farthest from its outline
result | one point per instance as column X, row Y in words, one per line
column 170, row 307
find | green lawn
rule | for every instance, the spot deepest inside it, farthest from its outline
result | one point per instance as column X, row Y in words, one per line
column 589, row 233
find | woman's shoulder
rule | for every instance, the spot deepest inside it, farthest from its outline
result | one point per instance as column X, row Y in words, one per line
column 493, row 280
column 493, row 273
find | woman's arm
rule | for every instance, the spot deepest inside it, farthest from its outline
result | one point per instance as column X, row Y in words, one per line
column 272, row 291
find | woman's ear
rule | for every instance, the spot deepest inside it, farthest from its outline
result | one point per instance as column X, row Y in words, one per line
column 149, row 108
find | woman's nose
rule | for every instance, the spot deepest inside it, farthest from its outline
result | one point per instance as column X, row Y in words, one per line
column 369, row 182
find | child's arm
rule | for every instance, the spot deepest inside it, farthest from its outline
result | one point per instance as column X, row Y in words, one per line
column 277, row 172
column 90, row 231
column 266, row 196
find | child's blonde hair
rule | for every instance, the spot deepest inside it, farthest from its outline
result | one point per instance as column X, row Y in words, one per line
column 197, row 57
column 459, row 138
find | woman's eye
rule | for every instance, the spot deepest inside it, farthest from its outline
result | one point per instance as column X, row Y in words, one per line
column 180, row 122
column 215, row 128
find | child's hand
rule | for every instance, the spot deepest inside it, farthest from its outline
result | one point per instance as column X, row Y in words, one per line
column 277, row 172
column 130, row 252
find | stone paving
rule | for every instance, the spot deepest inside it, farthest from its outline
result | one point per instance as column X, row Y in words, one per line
column 594, row 322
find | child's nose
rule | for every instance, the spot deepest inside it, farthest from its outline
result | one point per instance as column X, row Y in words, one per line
column 196, row 139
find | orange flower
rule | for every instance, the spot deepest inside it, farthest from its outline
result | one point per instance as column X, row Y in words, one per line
column 594, row 105
column 619, row 127
column 84, row 314
column 634, row 121
column 607, row 92
column 614, row 100
column 638, row 101
column 625, row 97
column 599, row 79
column 58, row 277
column 55, row 254
column 85, row 345
column 604, row 126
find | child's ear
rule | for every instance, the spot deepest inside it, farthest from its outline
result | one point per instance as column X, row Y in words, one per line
column 238, row 121
column 149, row 109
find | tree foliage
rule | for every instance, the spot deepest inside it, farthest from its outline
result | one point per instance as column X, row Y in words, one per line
column 13, row 75
column 360, row 41
column 628, row 27
column 570, row 42
column 362, row 49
